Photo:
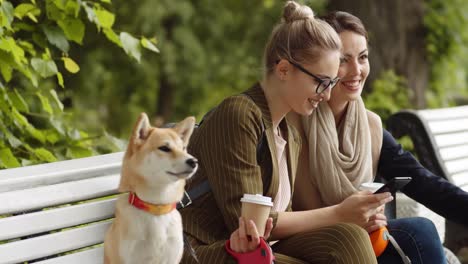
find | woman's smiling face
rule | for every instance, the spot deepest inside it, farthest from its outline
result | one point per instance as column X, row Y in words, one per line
column 354, row 67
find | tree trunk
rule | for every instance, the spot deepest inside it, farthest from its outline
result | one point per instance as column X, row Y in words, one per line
column 165, row 104
column 396, row 38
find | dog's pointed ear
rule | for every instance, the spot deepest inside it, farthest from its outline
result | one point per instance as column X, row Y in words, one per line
column 141, row 130
column 185, row 129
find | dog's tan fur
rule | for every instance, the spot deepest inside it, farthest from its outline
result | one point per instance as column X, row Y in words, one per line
column 157, row 176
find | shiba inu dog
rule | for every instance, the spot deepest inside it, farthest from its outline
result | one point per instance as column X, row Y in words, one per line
column 147, row 227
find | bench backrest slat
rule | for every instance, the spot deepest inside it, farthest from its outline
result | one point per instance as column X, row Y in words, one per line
column 57, row 218
column 46, row 196
column 42, row 246
column 438, row 114
column 449, row 126
column 91, row 256
column 451, row 140
column 461, row 179
column 440, row 137
column 58, row 172
column 51, row 209
column 452, row 153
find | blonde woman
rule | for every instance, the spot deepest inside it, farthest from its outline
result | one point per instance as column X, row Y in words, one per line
column 345, row 145
column 301, row 61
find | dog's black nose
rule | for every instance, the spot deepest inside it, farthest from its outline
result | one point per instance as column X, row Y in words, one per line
column 192, row 162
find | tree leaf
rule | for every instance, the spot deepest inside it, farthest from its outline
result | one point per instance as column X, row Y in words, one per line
column 148, row 45
column 70, row 65
column 8, row 12
column 22, row 9
column 60, row 80
column 52, row 136
column 45, row 103
column 131, row 45
column 110, row 34
column 57, row 38
column 45, row 155
column 90, row 13
column 44, row 68
column 9, row 45
column 106, row 19
column 73, row 28
column 7, row 71
column 57, row 101
column 14, row 141
column 32, row 17
column 18, row 101
column 7, row 159
column 76, row 152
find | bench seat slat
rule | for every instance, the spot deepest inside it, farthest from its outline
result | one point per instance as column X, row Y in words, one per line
column 90, row 256
column 46, row 196
column 42, row 246
column 58, row 172
column 48, row 220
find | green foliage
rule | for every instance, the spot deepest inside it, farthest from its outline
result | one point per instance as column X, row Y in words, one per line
column 390, row 94
column 447, row 40
column 34, row 37
column 209, row 50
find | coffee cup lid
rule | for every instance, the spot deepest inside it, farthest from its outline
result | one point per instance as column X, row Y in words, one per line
column 257, row 198
column 370, row 186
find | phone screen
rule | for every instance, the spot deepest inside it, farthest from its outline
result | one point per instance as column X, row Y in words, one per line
column 394, row 185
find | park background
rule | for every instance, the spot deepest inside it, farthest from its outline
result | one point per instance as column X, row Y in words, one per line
column 75, row 74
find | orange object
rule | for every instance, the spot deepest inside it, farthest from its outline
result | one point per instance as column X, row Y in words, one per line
column 379, row 240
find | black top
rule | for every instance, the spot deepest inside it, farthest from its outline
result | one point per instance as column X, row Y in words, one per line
column 431, row 190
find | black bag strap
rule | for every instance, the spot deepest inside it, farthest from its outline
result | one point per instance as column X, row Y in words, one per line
column 204, row 187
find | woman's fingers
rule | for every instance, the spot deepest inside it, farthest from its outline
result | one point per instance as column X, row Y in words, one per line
column 379, row 199
column 375, row 222
column 235, row 241
column 268, row 228
column 243, row 240
column 255, row 241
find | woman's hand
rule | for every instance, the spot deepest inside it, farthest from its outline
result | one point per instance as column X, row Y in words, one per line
column 376, row 221
column 241, row 242
column 360, row 207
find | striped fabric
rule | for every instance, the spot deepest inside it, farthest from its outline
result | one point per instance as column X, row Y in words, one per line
column 225, row 145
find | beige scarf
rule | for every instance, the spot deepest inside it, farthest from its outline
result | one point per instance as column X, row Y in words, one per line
column 342, row 158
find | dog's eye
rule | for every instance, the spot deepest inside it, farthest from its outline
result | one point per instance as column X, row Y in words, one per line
column 165, row 149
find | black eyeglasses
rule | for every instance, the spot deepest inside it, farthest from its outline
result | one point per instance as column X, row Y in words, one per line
column 323, row 83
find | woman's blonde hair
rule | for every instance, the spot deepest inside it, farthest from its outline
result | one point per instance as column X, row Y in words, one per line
column 299, row 37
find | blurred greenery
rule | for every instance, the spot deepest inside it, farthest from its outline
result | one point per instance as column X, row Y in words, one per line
column 36, row 39
column 72, row 75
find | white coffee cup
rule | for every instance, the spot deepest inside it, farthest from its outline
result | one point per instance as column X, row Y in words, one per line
column 370, row 186
column 256, row 207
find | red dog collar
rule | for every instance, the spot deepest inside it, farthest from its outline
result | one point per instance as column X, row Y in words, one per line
column 155, row 209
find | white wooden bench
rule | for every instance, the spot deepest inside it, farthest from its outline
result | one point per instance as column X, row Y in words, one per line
column 440, row 138
column 49, row 210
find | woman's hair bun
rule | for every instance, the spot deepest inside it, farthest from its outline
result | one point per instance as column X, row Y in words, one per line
column 293, row 11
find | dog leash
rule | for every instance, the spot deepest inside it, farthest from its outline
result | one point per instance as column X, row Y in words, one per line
column 406, row 259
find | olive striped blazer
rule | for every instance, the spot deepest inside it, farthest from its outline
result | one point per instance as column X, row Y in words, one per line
column 226, row 147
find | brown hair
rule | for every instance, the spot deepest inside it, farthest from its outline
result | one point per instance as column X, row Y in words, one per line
column 344, row 21
column 299, row 37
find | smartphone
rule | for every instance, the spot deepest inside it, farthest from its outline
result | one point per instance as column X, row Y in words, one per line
column 394, row 185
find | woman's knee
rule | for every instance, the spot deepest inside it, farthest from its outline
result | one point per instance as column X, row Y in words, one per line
column 349, row 242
